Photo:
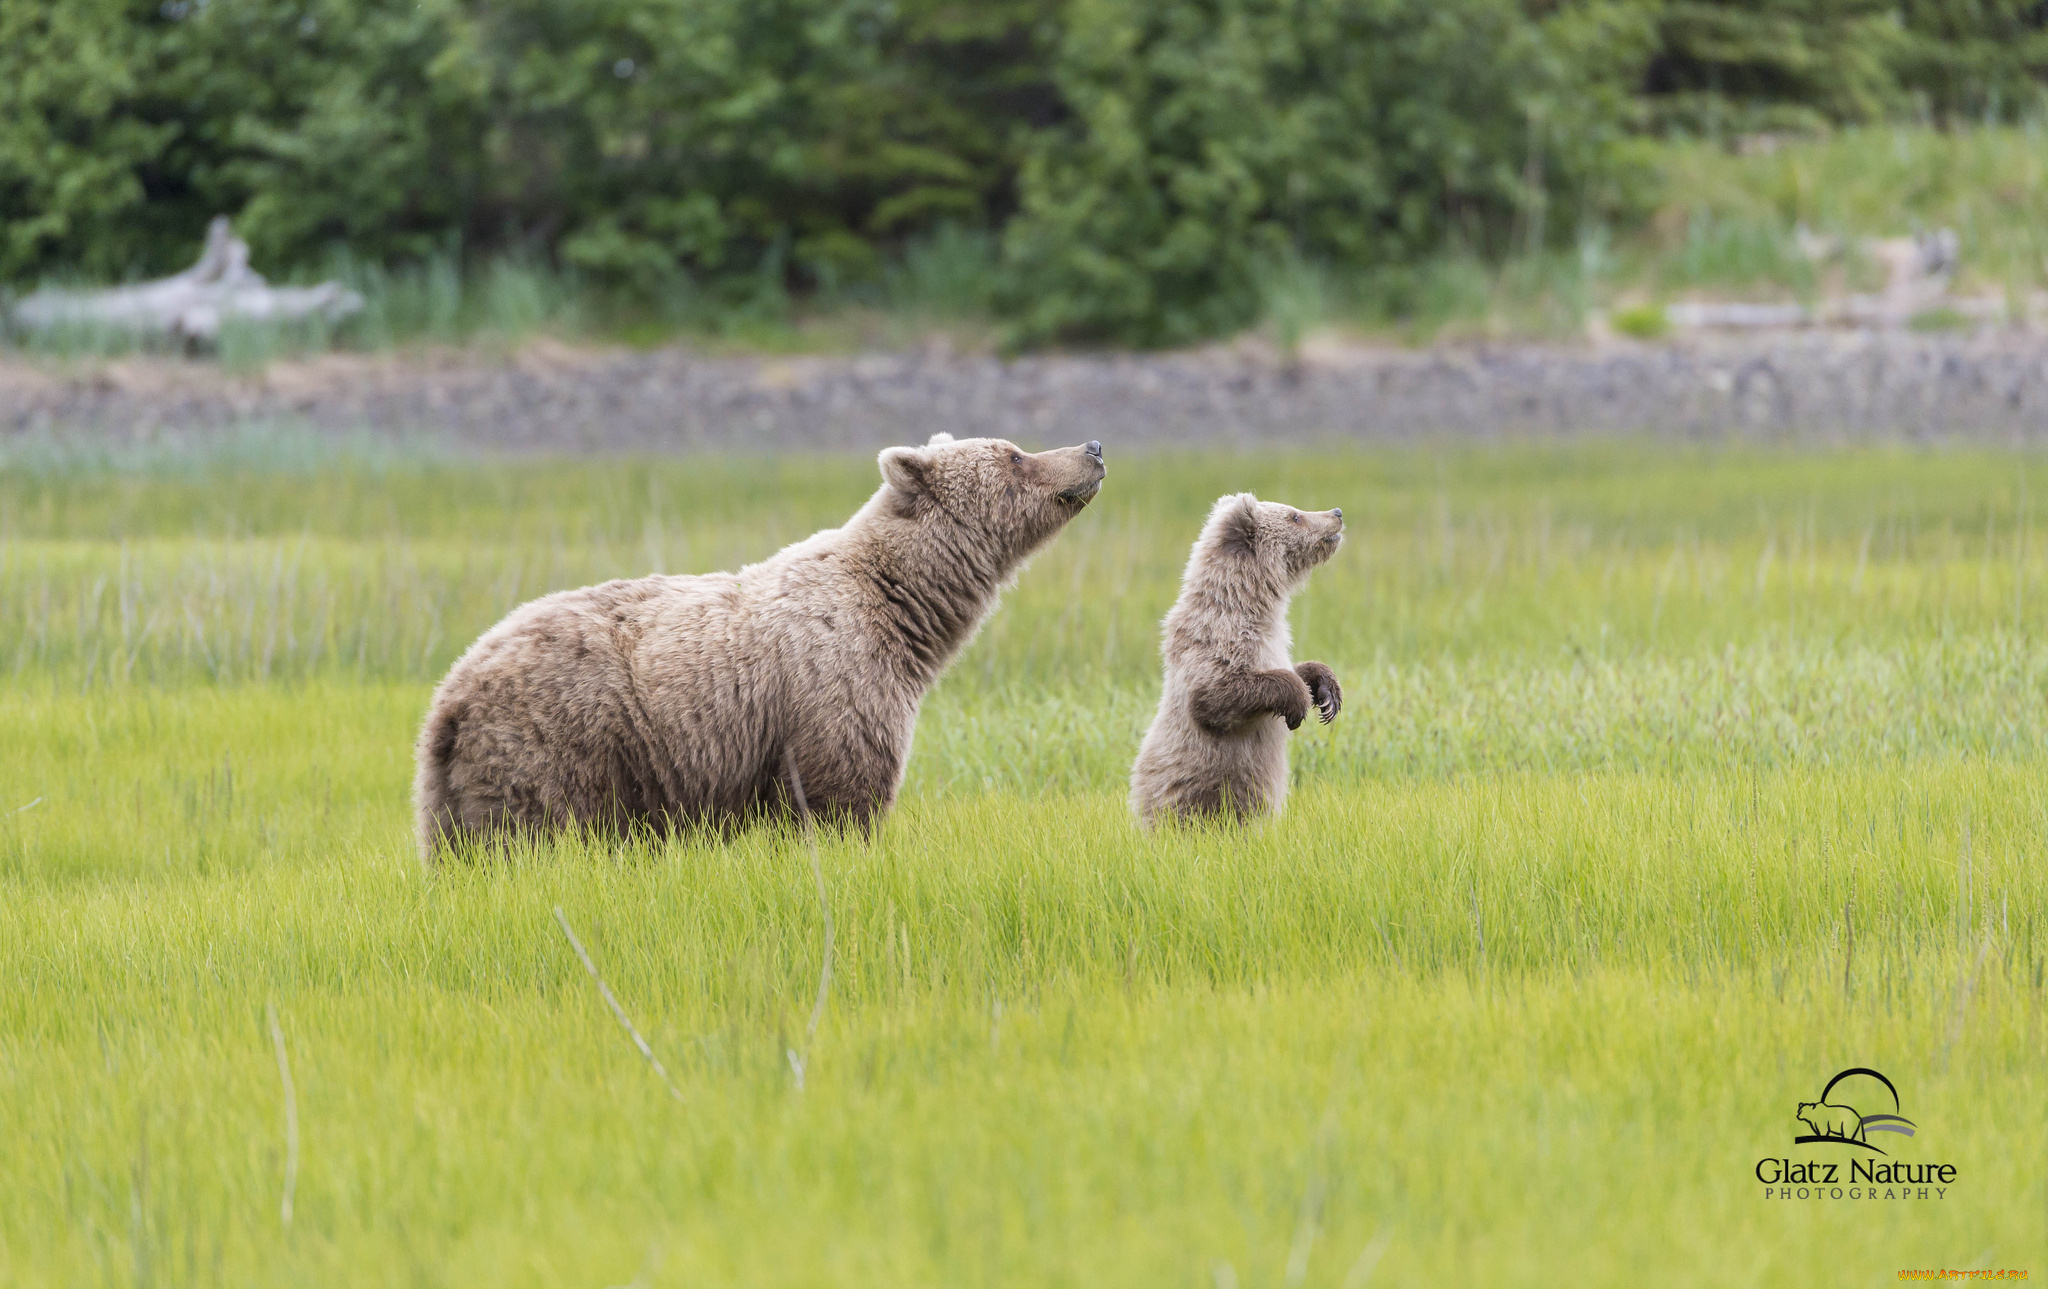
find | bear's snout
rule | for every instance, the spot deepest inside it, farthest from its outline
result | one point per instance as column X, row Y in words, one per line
column 1085, row 471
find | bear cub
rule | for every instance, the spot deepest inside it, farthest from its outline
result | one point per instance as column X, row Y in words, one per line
column 1218, row 745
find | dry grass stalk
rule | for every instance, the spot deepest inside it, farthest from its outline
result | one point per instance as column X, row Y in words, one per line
column 803, row 810
column 613, row 1003
column 291, row 1117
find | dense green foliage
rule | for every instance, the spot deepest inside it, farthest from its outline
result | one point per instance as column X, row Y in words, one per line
column 1726, row 66
column 1145, row 165
column 1667, row 784
column 643, row 140
column 1206, row 142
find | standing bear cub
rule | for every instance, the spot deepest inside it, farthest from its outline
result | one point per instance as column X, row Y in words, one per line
column 1218, row 745
column 669, row 700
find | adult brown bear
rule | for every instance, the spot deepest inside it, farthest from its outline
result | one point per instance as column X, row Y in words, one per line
column 668, row 700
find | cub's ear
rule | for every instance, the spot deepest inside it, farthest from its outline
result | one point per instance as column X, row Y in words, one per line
column 937, row 439
column 906, row 469
column 1236, row 520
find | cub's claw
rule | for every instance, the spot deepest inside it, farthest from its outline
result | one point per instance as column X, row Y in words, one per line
column 1323, row 687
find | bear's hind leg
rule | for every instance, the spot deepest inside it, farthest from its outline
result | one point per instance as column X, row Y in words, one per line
column 435, row 808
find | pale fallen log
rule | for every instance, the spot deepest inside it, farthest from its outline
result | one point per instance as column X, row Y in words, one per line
column 193, row 305
column 1738, row 314
column 1895, row 311
column 1918, row 273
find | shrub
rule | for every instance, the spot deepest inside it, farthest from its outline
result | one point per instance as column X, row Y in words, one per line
column 1643, row 321
column 1727, row 67
column 1975, row 60
column 1208, row 138
column 638, row 141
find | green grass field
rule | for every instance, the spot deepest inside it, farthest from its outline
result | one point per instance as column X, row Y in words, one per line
column 1669, row 783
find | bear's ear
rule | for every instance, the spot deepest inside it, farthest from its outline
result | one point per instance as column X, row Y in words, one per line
column 1237, row 523
column 907, row 470
column 938, row 439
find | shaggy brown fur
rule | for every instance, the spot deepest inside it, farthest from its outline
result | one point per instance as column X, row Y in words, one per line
column 671, row 700
column 1218, row 745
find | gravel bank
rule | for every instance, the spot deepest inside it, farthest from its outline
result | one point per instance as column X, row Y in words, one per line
column 1799, row 386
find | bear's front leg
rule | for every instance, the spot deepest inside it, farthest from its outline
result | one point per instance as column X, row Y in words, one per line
column 1225, row 705
column 845, row 778
column 1323, row 688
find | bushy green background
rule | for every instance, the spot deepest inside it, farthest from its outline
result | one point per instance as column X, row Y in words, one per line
column 1140, row 164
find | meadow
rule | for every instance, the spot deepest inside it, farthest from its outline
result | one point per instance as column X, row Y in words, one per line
column 1670, row 781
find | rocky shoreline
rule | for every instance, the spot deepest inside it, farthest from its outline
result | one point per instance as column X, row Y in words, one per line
column 1813, row 386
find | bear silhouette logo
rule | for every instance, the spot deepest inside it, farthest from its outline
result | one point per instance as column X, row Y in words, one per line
column 1833, row 1123
column 1837, row 1121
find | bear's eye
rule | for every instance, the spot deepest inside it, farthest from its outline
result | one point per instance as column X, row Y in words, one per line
column 1016, row 458
column 1295, row 517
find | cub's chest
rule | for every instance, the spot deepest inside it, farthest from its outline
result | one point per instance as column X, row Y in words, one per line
column 1257, row 648
column 1274, row 647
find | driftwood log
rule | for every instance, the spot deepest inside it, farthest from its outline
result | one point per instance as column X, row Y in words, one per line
column 191, row 306
column 1918, row 272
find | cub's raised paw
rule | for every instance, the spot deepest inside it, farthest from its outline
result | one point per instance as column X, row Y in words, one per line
column 1323, row 689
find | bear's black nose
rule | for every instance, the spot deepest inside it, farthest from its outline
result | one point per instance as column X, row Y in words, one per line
column 1093, row 448
column 1338, row 511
